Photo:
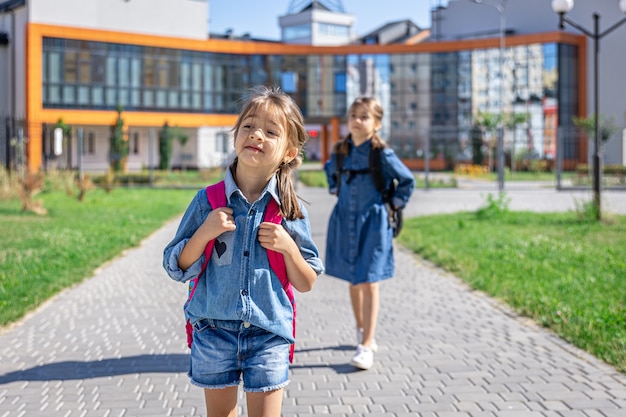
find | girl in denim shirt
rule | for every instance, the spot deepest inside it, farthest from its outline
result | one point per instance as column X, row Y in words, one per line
column 241, row 316
column 359, row 246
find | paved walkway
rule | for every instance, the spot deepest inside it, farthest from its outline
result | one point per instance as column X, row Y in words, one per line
column 115, row 345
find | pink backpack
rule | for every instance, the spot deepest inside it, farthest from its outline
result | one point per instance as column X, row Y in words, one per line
column 216, row 194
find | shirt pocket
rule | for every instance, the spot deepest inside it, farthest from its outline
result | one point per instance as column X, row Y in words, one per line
column 223, row 249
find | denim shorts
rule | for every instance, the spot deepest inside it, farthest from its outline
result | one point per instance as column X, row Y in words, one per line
column 224, row 351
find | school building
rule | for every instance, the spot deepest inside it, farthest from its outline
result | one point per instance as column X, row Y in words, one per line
column 77, row 61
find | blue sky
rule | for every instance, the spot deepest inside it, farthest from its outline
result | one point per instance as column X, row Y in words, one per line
column 260, row 17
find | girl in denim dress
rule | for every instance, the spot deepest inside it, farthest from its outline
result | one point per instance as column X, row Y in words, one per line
column 242, row 317
column 359, row 246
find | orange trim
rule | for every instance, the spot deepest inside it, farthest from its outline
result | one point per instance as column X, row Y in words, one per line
column 437, row 164
column 34, row 44
column 247, row 47
column 324, row 143
column 419, row 37
column 335, row 132
column 97, row 117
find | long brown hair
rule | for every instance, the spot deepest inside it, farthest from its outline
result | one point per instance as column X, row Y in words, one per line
column 375, row 109
column 274, row 99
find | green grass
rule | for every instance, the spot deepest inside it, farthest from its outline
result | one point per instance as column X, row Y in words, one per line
column 523, row 176
column 187, row 178
column 317, row 178
column 564, row 273
column 41, row 255
column 313, row 178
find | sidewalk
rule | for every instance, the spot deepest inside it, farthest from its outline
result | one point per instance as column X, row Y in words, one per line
column 115, row 345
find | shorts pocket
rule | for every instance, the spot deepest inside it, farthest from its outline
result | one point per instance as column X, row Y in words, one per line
column 203, row 324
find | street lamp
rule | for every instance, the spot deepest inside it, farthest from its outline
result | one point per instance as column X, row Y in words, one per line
column 561, row 7
column 500, row 140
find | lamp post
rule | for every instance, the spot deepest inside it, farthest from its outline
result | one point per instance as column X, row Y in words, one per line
column 561, row 7
column 500, row 7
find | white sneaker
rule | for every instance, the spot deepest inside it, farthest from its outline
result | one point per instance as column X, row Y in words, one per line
column 359, row 338
column 363, row 358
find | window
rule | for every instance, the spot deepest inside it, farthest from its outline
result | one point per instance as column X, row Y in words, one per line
column 84, row 64
column 149, row 70
column 135, row 143
column 70, row 62
column 289, row 82
column 89, row 148
column 296, row 32
column 221, row 143
column 340, row 82
column 328, row 29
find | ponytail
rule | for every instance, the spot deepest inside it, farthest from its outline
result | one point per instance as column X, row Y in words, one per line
column 289, row 202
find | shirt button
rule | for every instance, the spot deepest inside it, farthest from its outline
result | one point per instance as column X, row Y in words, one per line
column 251, row 212
column 246, row 253
column 244, row 292
column 246, row 324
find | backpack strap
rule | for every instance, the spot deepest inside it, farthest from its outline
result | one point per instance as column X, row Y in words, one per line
column 339, row 171
column 216, row 195
column 376, row 170
column 277, row 263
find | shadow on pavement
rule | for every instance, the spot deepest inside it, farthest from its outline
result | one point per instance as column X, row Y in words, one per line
column 339, row 368
column 68, row 370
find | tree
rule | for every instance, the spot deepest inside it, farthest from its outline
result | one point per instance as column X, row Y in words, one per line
column 66, row 131
column 476, row 136
column 608, row 127
column 118, row 149
column 166, row 143
column 588, row 125
column 488, row 123
column 513, row 120
column 165, row 146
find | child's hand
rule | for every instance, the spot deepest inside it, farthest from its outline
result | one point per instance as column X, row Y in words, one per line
column 274, row 237
column 218, row 221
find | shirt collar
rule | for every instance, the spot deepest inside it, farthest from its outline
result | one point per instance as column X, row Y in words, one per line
column 231, row 187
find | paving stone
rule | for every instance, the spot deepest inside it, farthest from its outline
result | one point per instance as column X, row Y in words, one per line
column 115, row 344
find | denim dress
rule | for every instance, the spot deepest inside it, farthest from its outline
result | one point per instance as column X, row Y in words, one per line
column 359, row 245
column 238, row 283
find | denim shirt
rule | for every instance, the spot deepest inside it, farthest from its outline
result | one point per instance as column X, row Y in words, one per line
column 238, row 283
column 359, row 242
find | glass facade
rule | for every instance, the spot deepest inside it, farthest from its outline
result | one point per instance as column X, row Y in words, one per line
column 430, row 99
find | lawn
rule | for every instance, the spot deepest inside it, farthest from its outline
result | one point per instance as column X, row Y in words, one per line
column 317, row 178
column 446, row 179
column 41, row 255
column 565, row 273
